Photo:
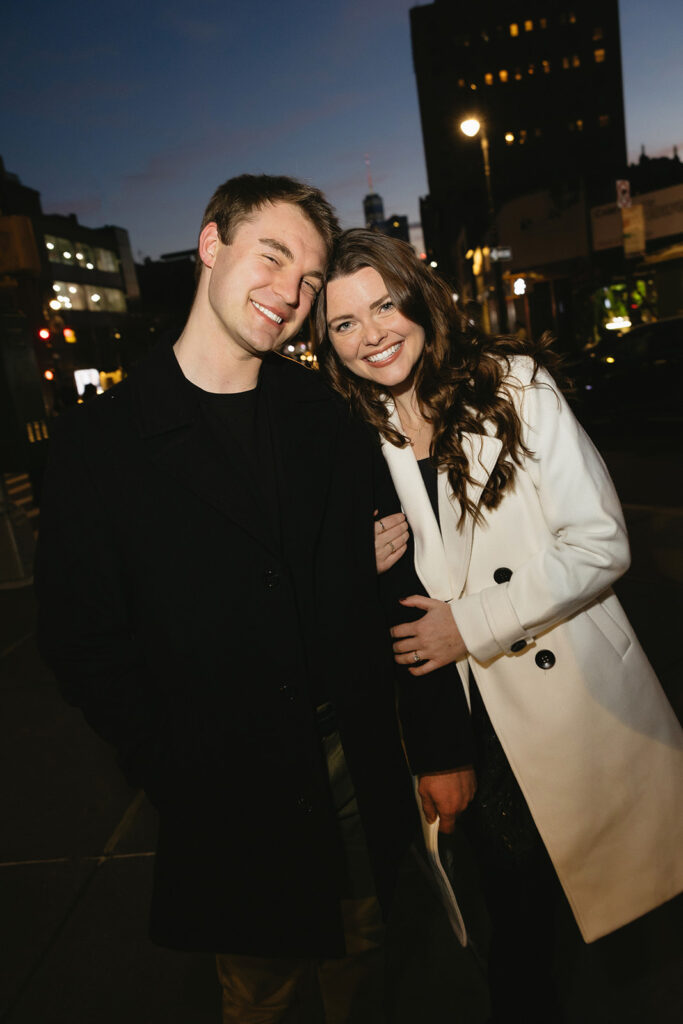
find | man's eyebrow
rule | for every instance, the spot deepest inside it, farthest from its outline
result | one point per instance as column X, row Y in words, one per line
column 280, row 247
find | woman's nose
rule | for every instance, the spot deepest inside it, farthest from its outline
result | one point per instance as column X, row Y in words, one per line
column 374, row 334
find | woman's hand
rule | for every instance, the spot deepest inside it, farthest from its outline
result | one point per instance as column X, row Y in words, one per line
column 446, row 794
column 391, row 539
column 433, row 640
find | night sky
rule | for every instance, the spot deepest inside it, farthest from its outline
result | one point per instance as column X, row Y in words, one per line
column 131, row 113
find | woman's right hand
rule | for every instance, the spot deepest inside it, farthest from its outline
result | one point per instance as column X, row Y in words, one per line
column 391, row 540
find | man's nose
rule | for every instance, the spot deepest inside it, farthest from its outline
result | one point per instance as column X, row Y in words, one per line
column 288, row 286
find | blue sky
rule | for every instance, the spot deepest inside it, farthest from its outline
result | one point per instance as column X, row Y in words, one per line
column 132, row 113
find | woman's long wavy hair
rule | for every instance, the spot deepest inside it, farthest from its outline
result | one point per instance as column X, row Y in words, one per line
column 459, row 377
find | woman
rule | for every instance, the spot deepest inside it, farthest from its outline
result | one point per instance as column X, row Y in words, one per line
column 518, row 536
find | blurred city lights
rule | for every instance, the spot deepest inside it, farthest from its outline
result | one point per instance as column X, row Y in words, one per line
column 470, row 126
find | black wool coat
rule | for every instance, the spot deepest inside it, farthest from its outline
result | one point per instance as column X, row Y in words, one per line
column 188, row 620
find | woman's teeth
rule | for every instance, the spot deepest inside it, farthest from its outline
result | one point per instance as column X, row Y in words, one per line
column 381, row 357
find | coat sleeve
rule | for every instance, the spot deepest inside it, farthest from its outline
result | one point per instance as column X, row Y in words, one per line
column 433, row 711
column 84, row 632
column 585, row 548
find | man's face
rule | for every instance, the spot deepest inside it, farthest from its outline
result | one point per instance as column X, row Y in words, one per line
column 262, row 285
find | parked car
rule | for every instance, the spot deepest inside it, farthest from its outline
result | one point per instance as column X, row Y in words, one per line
column 633, row 376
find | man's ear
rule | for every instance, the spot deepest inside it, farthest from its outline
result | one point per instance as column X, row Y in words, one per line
column 208, row 244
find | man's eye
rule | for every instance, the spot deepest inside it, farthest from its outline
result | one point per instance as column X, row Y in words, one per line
column 271, row 259
column 311, row 289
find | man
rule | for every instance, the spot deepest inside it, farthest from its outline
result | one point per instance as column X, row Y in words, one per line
column 209, row 599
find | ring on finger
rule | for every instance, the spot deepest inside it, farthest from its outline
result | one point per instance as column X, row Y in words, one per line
column 382, row 525
column 391, row 545
column 416, row 657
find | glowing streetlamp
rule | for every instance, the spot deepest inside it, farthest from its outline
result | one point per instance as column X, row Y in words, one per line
column 471, row 127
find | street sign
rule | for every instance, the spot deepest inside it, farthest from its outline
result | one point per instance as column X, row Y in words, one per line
column 501, row 252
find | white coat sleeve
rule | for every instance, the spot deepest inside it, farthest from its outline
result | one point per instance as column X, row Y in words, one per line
column 585, row 547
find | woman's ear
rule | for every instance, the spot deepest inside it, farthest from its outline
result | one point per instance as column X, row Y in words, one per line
column 208, row 244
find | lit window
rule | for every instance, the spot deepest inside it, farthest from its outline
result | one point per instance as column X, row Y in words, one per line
column 461, row 83
column 528, row 26
column 603, row 120
column 503, row 75
column 543, row 22
column 576, row 63
column 572, row 18
column 522, row 135
column 545, row 64
column 488, row 78
column 518, row 75
column 514, row 29
column 565, row 62
column 473, row 86
column 599, row 56
column 597, row 34
column 531, row 69
column 579, row 124
column 509, row 138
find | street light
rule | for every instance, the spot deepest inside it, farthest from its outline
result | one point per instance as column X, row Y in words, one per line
column 471, row 127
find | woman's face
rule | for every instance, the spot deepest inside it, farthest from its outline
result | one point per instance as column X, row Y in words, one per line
column 370, row 336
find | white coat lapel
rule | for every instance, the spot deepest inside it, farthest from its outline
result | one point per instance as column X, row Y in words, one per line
column 482, row 454
column 430, row 557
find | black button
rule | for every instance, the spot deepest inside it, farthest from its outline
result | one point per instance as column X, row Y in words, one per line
column 502, row 575
column 304, row 805
column 288, row 691
column 545, row 659
column 518, row 645
column 272, row 578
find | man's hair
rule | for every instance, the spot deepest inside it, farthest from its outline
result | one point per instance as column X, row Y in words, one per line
column 236, row 199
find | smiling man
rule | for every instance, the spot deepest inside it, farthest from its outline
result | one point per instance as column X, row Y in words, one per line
column 209, row 600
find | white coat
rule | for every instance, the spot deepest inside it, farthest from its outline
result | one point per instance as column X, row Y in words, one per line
column 581, row 716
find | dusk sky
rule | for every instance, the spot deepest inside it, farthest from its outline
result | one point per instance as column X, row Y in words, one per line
column 132, row 113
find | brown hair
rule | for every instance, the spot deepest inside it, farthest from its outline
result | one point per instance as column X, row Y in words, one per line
column 459, row 377
column 236, row 199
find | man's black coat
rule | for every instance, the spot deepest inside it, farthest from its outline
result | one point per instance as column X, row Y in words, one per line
column 188, row 622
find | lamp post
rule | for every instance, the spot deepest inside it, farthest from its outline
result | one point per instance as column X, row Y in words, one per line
column 471, row 127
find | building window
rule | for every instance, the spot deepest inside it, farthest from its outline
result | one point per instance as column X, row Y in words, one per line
column 572, row 18
column 509, row 138
column 565, row 62
column 106, row 260
column 488, row 78
column 522, row 135
column 603, row 120
column 528, row 26
column 545, row 64
column 531, row 69
column 542, row 22
column 599, row 56
column 576, row 63
column 514, row 29
column 518, row 75
column 461, row 83
column 597, row 34
column 503, row 75
column 579, row 124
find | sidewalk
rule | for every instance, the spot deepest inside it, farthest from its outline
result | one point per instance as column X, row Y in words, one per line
column 77, row 844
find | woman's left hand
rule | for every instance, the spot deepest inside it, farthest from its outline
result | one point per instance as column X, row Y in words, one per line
column 434, row 640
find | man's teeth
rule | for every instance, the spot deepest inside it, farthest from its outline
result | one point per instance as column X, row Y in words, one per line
column 269, row 313
column 382, row 356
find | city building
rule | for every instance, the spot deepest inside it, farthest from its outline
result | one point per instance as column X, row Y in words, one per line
column 73, row 285
column 545, row 82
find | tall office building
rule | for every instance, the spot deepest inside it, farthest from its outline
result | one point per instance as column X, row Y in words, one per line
column 545, row 80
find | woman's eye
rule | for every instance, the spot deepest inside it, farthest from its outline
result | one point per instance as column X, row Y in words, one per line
column 343, row 326
column 386, row 306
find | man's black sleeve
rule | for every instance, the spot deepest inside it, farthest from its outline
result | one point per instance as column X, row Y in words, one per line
column 433, row 709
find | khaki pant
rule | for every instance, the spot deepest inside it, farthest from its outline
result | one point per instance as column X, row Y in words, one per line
column 282, row 990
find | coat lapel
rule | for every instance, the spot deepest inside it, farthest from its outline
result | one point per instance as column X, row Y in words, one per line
column 442, row 555
column 178, row 437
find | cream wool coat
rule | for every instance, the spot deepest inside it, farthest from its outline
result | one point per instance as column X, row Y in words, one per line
column 584, row 723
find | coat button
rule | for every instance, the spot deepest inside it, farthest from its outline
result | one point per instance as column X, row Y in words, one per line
column 502, row 575
column 545, row 659
column 518, row 645
column 288, row 691
column 272, row 579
